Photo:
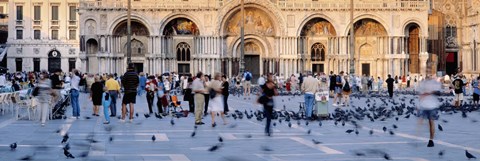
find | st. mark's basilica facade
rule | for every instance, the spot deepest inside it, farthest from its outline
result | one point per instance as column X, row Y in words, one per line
column 281, row 36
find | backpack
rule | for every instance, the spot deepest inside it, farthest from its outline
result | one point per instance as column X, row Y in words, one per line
column 346, row 87
column 248, row 77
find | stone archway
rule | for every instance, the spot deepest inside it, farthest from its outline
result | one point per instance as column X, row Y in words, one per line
column 181, row 26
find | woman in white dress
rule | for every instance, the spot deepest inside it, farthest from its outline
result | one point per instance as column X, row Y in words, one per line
column 216, row 100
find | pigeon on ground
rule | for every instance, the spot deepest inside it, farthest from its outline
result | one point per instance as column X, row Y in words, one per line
column 349, row 131
column 395, row 126
column 441, row 153
column 65, row 138
column 289, row 124
column 67, row 146
column 220, row 139
column 28, row 157
column 146, row 115
column 13, row 146
column 469, row 155
column 68, row 154
column 110, row 139
column 320, row 123
column 214, row 148
column 391, row 132
column 440, row 127
column 371, row 132
column 154, row 138
column 316, row 142
column 309, row 131
column 172, row 122
column 384, row 129
column 193, row 134
column 265, row 148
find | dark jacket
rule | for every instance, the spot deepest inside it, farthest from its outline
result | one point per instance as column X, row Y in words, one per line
column 130, row 82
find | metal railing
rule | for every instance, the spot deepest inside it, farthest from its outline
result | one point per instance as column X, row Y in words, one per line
column 345, row 5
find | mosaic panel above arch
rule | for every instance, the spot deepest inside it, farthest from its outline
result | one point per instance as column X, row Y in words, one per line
column 369, row 27
column 181, row 26
column 138, row 29
column 318, row 27
column 256, row 22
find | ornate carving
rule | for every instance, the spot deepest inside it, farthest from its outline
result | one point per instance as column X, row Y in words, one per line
column 19, row 50
column 71, row 51
column 451, row 42
column 236, row 3
column 36, row 50
column 103, row 21
column 91, row 26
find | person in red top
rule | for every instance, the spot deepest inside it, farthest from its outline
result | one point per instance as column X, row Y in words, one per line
column 404, row 82
column 151, row 88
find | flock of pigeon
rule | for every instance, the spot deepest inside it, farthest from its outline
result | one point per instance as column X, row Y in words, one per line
column 374, row 110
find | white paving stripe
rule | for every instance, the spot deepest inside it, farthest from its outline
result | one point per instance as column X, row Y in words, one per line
column 173, row 157
column 426, row 139
column 276, row 157
column 7, row 122
column 372, row 143
column 316, row 146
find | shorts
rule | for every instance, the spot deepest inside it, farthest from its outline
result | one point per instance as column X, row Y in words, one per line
column 429, row 114
column 458, row 96
column 247, row 84
column 129, row 98
column 338, row 90
column 475, row 97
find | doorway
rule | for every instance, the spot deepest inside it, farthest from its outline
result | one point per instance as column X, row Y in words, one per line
column 451, row 63
column 252, row 63
column 138, row 67
column 366, row 69
column 318, row 68
column 183, row 69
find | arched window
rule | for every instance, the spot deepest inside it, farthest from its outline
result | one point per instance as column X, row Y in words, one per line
column 183, row 52
column 318, row 52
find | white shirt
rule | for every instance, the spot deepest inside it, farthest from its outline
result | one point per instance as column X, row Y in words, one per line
column 74, row 82
column 2, row 80
column 185, row 83
column 261, row 81
column 166, row 83
column 429, row 101
column 67, row 79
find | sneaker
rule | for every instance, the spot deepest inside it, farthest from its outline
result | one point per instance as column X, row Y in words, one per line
column 131, row 120
column 43, row 124
column 430, row 143
column 74, row 117
column 106, row 122
column 122, row 120
column 334, row 105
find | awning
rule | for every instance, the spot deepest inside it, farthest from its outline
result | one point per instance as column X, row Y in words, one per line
column 451, row 58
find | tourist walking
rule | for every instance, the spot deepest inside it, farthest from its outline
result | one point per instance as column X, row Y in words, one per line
column 458, row 90
column 247, row 77
column 142, row 83
column 130, row 83
column 217, row 102
column 346, row 91
column 476, row 91
column 379, row 84
column 225, row 93
column 206, row 93
column 364, row 84
column 198, row 88
column 390, row 82
column 96, row 92
column 75, row 93
column 189, row 96
column 44, row 96
column 338, row 89
column 106, row 101
column 429, row 103
column 309, row 87
column 151, row 88
column 268, row 91
column 113, row 88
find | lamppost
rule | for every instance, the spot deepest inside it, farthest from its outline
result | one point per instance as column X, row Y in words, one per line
column 352, row 41
column 242, row 39
column 129, row 33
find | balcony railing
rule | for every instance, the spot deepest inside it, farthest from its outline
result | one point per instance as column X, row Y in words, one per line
column 287, row 4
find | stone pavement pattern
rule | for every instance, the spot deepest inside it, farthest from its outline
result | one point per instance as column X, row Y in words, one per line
column 243, row 138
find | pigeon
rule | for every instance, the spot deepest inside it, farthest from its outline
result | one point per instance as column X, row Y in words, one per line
column 248, row 136
column 395, row 126
column 87, row 118
column 356, row 132
column 193, row 134
column 387, row 157
column 274, row 124
column 136, row 114
column 391, row 132
column 146, row 116
column 110, row 139
column 309, row 131
column 441, row 153
column 396, row 118
column 384, row 129
column 469, row 155
column 371, row 132
column 320, row 123
column 172, row 122
column 214, row 148
column 68, row 154
column 67, row 146
column 408, row 116
column 154, row 138
column 343, row 123
column 84, row 154
column 289, row 124
column 349, row 131
column 316, row 142
column 265, row 148
column 65, row 138
column 13, row 146
column 220, row 139
column 306, row 123
column 440, row 127
column 360, row 154
column 336, row 123
column 28, row 157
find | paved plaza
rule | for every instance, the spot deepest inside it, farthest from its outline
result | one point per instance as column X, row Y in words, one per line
column 243, row 139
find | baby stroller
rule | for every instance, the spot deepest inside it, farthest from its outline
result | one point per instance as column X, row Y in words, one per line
column 58, row 111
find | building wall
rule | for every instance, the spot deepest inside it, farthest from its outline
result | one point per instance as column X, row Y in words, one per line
column 28, row 47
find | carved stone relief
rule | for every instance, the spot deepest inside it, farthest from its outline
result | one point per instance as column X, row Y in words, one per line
column 91, row 26
column 36, row 50
column 103, row 21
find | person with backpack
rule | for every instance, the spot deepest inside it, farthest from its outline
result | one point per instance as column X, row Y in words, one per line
column 338, row 89
column 346, row 91
column 247, row 76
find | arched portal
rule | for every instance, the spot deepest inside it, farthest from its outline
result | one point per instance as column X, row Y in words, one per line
column 92, row 60
column 369, row 37
column 139, row 43
column 413, row 47
column 314, row 31
column 317, row 54
column 92, row 46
